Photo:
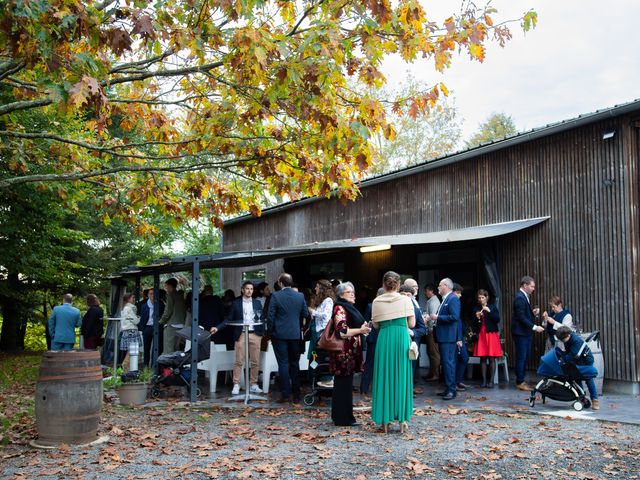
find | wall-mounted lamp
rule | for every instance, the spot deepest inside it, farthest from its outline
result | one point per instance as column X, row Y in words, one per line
column 608, row 134
column 374, row 248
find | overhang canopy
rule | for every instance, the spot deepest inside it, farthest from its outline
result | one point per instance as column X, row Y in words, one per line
column 258, row 257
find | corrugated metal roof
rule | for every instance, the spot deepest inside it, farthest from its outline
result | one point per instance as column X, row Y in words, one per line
column 258, row 257
column 511, row 141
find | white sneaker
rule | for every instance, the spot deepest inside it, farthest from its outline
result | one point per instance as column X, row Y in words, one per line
column 255, row 388
column 326, row 384
column 236, row 389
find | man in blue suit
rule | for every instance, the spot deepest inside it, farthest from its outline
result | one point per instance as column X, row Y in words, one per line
column 448, row 334
column 62, row 324
column 286, row 309
column 247, row 310
column 420, row 328
column 522, row 328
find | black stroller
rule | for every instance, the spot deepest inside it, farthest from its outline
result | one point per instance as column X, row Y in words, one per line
column 318, row 370
column 563, row 381
column 174, row 369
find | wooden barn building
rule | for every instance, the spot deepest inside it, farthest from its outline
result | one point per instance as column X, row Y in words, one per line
column 559, row 203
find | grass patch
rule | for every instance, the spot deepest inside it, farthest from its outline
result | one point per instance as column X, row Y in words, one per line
column 18, row 376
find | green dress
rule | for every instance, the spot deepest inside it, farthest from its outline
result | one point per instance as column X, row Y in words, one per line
column 392, row 393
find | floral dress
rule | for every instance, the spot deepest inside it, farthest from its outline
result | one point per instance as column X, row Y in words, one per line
column 349, row 360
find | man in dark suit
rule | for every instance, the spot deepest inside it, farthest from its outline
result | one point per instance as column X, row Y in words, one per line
column 211, row 312
column 448, row 334
column 522, row 328
column 245, row 309
column 286, row 308
column 420, row 329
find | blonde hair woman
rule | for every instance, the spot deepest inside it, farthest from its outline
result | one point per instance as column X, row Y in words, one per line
column 392, row 394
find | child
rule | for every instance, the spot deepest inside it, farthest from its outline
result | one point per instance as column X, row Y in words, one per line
column 572, row 345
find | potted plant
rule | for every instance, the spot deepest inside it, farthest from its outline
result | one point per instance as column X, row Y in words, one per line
column 131, row 387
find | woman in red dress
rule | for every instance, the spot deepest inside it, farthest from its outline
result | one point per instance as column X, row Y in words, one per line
column 488, row 345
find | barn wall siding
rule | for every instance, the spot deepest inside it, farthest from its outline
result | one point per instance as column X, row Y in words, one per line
column 587, row 252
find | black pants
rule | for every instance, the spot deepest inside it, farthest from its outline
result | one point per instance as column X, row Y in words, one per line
column 342, row 401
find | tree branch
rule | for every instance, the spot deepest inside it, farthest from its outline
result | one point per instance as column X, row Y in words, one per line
column 24, row 105
column 164, row 73
column 72, row 177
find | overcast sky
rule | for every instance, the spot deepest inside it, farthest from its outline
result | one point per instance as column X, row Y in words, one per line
column 583, row 56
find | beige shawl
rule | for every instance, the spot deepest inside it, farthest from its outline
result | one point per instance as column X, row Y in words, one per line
column 391, row 305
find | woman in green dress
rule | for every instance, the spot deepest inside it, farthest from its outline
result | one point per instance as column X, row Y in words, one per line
column 392, row 395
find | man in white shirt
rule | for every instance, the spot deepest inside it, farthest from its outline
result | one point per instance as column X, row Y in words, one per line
column 246, row 310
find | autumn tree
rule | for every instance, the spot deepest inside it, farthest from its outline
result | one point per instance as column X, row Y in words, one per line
column 496, row 127
column 198, row 108
column 220, row 90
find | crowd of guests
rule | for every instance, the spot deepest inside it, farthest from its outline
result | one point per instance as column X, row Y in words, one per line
column 374, row 340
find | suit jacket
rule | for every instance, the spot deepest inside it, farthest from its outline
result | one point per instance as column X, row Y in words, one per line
column 236, row 315
column 491, row 320
column 62, row 323
column 420, row 328
column 211, row 311
column 449, row 323
column 522, row 319
column 175, row 311
column 286, row 309
column 144, row 314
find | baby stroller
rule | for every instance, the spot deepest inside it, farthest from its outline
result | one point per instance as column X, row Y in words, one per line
column 563, row 380
column 175, row 368
column 318, row 368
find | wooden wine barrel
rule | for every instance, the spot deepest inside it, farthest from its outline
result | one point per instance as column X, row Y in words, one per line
column 68, row 397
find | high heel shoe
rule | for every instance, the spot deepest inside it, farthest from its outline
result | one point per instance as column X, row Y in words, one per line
column 404, row 427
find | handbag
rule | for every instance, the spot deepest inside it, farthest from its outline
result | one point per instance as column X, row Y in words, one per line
column 413, row 351
column 329, row 340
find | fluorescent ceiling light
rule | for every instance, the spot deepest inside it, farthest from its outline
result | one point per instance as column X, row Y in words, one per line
column 374, row 248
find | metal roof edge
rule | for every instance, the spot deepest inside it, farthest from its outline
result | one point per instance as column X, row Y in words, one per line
column 517, row 139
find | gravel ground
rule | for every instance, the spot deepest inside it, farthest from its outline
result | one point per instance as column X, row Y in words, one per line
column 175, row 442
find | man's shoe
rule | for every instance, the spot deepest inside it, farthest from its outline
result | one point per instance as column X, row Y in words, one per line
column 595, row 404
column 524, row 386
column 295, row 399
column 449, row 396
column 433, row 378
column 255, row 389
column 236, row 389
column 461, row 387
column 283, row 400
column 441, row 394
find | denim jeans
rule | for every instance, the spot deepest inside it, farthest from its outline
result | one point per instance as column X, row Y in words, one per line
column 593, row 391
column 61, row 346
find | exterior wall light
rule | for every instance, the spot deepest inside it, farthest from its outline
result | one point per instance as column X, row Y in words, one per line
column 608, row 134
column 374, row 248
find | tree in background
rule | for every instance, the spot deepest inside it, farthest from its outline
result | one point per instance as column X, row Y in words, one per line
column 496, row 127
column 419, row 138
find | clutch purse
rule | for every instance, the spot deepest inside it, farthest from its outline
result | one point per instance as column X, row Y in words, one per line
column 413, row 351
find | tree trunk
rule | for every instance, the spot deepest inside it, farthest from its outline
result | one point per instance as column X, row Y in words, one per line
column 12, row 335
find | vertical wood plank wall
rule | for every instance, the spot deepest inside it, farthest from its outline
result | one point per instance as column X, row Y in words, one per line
column 587, row 252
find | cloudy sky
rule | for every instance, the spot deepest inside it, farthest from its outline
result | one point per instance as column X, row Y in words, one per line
column 584, row 55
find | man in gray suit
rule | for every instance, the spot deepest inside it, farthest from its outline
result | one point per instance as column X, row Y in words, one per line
column 286, row 309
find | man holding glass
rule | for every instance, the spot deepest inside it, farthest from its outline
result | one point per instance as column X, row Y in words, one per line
column 247, row 310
